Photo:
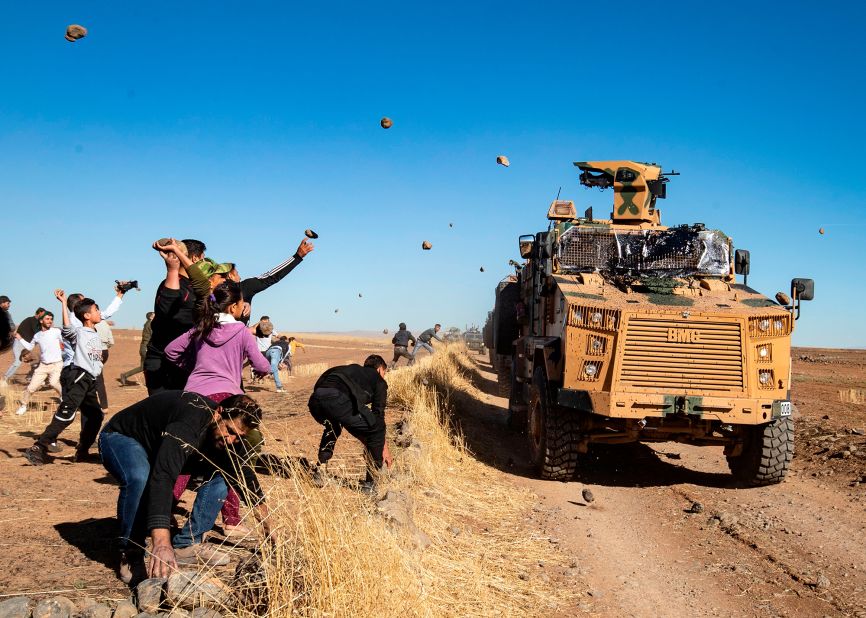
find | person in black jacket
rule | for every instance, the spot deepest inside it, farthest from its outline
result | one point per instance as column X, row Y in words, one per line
column 147, row 445
column 174, row 313
column 339, row 401
column 401, row 340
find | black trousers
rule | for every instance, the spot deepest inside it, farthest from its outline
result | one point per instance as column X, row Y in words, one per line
column 335, row 410
column 101, row 393
column 401, row 351
column 161, row 374
column 78, row 393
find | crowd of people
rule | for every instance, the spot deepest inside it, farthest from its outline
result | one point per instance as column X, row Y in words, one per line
column 197, row 421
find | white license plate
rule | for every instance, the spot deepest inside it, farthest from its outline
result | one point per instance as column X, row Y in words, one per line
column 784, row 408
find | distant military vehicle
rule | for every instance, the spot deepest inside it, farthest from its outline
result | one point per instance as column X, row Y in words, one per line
column 624, row 330
column 474, row 339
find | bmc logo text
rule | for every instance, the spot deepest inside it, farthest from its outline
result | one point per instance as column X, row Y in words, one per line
column 683, row 335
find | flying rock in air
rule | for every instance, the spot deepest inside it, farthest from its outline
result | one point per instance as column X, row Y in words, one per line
column 386, row 123
column 426, row 245
column 821, row 230
column 587, row 496
column 450, row 225
column 481, row 269
column 385, row 331
column 75, row 32
column 503, row 161
column 360, row 295
column 336, row 311
column 310, row 234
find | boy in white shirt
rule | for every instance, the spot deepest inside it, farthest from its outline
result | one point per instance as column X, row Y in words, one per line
column 50, row 344
column 78, row 382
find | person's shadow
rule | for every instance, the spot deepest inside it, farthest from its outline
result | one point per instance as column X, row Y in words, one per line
column 92, row 538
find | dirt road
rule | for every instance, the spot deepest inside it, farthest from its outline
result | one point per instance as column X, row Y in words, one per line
column 794, row 549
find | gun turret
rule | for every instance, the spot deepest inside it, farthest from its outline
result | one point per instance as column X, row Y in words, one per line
column 635, row 187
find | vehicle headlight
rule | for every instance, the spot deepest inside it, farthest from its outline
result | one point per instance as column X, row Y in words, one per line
column 779, row 325
column 764, row 324
column 765, row 377
column 596, row 345
column 590, row 370
column 596, row 318
column 763, row 351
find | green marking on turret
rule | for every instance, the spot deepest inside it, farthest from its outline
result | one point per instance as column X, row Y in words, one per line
column 582, row 295
column 669, row 299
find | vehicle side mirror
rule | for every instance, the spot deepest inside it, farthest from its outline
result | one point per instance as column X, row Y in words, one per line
column 803, row 289
column 527, row 242
column 741, row 262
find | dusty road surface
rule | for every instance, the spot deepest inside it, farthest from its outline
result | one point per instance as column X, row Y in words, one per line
column 794, row 549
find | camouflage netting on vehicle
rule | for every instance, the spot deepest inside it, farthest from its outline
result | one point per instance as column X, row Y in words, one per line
column 676, row 252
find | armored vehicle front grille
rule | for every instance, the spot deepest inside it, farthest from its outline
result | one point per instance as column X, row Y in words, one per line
column 672, row 356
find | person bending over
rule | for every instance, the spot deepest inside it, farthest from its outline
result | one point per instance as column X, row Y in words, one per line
column 339, row 401
column 147, row 445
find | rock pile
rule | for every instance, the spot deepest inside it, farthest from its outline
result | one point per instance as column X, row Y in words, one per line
column 183, row 595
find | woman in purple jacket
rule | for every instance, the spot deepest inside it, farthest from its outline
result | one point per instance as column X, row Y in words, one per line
column 215, row 350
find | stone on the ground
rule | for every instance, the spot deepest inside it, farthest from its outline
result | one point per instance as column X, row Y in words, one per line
column 696, row 507
column 16, row 607
column 821, row 582
column 55, row 607
column 178, row 612
column 149, row 594
column 205, row 612
column 396, row 507
column 95, row 610
column 125, row 609
column 190, row 589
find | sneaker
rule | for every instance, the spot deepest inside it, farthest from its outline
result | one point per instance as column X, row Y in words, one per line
column 205, row 553
column 21, row 410
column 82, row 455
column 36, row 455
column 279, row 390
column 54, row 448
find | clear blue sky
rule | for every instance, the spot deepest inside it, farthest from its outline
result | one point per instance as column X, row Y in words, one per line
column 244, row 123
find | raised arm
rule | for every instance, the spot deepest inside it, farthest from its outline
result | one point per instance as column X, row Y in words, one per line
column 253, row 285
column 172, row 267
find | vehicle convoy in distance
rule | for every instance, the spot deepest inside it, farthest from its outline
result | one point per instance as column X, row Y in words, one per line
column 624, row 330
column 474, row 340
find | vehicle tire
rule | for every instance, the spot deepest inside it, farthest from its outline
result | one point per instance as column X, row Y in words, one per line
column 503, row 376
column 552, row 432
column 767, row 453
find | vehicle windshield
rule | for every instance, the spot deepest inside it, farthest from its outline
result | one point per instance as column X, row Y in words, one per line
column 677, row 252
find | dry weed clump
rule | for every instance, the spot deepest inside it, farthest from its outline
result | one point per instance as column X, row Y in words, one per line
column 335, row 554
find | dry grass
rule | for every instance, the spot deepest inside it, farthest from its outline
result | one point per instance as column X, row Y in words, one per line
column 337, row 556
column 308, row 369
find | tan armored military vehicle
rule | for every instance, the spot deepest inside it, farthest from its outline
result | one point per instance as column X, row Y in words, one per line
column 624, row 330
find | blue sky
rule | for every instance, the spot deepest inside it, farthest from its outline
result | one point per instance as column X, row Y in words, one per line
column 244, row 124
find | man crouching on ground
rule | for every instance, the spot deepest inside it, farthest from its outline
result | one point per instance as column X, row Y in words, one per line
column 340, row 400
column 146, row 446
